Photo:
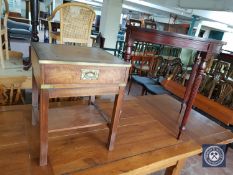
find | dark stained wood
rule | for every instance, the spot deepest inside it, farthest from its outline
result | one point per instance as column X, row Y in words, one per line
column 145, row 141
column 115, row 118
column 35, row 100
column 190, row 81
column 34, row 4
column 44, row 105
column 207, row 48
column 70, row 71
column 171, row 39
column 193, row 92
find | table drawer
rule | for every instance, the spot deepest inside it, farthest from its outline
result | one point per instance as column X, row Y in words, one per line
column 77, row 74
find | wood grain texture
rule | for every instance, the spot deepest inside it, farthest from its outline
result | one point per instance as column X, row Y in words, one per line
column 64, row 54
column 145, row 142
column 116, row 113
column 211, row 107
column 73, row 118
column 67, row 71
column 44, row 105
column 169, row 38
column 71, row 74
column 35, row 101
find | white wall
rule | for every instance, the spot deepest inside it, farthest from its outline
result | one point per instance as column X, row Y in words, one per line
column 228, row 37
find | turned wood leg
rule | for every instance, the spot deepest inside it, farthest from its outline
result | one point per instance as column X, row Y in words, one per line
column 35, row 100
column 44, row 105
column 190, row 82
column 115, row 118
column 176, row 169
column 193, row 93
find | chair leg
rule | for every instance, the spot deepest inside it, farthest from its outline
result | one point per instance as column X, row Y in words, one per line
column 50, row 39
column 130, row 85
column 1, row 54
column 143, row 91
column 6, row 46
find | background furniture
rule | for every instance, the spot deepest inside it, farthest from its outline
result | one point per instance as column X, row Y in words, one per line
column 19, row 29
column 206, row 48
column 10, row 90
column 75, row 23
column 203, row 103
column 58, row 71
column 14, row 68
column 4, row 51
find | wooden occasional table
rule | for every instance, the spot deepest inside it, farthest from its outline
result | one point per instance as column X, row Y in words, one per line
column 66, row 71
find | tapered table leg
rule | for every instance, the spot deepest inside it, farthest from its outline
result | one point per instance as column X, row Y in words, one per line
column 115, row 118
column 44, row 105
column 35, row 100
column 190, row 82
column 193, row 93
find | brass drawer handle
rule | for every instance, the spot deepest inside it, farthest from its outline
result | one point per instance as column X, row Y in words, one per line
column 89, row 74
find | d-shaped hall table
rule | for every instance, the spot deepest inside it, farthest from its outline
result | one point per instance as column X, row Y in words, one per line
column 68, row 71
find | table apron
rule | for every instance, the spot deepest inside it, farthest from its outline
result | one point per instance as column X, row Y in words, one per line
column 85, row 91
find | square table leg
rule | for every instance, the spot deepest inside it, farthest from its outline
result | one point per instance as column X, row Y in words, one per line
column 44, row 105
column 35, row 94
column 176, row 169
column 115, row 118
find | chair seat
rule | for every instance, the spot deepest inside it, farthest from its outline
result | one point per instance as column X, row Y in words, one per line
column 156, row 89
column 19, row 31
column 143, row 68
column 146, row 80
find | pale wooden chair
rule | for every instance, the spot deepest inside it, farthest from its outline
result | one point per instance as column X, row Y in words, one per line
column 75, row 23
column 3, row 26
column 10, row 90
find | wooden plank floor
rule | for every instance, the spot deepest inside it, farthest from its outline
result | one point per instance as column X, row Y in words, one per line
column 146, row 138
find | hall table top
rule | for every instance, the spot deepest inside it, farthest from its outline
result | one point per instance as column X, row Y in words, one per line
column 146, row 140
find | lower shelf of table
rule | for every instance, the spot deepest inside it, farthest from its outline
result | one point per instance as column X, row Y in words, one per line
column 74, row 117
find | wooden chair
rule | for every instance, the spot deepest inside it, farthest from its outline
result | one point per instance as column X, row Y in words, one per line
column 3, row 26
column 218, row 72
column 156, row 89
column 75, row 23
column 141, row 64
column 151, row 78
column 10, row 90
column 225, row 92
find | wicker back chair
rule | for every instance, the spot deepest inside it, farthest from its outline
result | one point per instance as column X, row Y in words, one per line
column 3, row 27
column 75, row 23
